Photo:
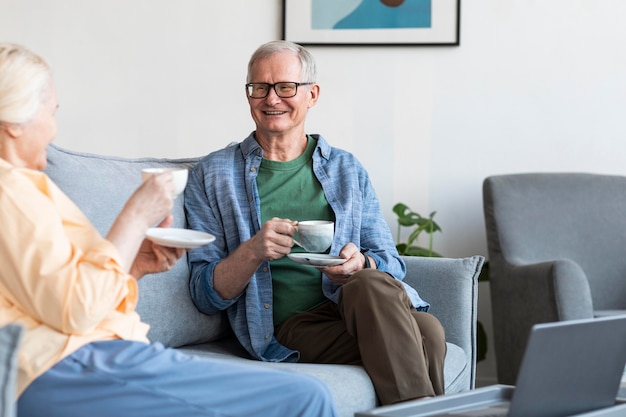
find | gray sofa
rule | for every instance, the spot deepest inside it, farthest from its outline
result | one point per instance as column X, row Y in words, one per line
column 100, row 185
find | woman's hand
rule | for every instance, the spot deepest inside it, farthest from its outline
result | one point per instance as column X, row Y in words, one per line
column 150, row 203
column 153, row 258
column 154, row 199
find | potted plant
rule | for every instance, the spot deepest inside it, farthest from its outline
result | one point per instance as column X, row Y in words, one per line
column 408, row 218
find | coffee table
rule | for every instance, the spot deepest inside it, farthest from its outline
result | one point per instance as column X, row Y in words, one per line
column 448, row 405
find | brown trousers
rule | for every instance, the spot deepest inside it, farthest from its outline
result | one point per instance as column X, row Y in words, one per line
column 374, row 325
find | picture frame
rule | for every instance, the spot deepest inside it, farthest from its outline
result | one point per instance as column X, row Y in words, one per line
column 372, row 22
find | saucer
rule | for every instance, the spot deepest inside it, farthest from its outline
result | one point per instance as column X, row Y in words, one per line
column 316, row 259
column 179, row 238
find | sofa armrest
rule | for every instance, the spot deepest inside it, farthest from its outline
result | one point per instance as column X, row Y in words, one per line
column 10, row 337
column 450, row 285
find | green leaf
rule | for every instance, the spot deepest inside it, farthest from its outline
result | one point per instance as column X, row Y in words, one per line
column 419, row 224
column 484, row 273
column 418, row 251
column 400, row 209
column 401, row 247
column 481, row 342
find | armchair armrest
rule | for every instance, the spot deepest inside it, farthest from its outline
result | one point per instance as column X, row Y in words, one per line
column 529, row 294
column 450, row 285
column 550, row 291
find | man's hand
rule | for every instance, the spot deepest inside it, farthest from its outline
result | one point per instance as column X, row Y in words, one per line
column 339, row 274
column 274, row 240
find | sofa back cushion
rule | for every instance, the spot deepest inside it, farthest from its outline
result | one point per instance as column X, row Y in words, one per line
column 100, row 186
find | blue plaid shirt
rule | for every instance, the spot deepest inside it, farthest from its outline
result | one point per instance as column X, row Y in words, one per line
column 222, row 199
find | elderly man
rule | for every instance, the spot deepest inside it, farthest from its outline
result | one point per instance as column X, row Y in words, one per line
column 251, row 195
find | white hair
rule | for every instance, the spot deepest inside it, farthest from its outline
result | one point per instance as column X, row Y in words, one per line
column 307, row 62
column 25, row 80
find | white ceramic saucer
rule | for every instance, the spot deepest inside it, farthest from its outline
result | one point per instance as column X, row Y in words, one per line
column 316, row 259
column 179, row 238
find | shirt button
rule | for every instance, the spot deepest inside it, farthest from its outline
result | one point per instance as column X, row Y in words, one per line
column 253, row 169
column 264, row 269
column 267, row 305
column 267, row 336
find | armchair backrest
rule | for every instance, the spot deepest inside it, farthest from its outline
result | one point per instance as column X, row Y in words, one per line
column 537, row 217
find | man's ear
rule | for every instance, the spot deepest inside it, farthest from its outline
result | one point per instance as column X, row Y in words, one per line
column 14, row 130
column 314, row 94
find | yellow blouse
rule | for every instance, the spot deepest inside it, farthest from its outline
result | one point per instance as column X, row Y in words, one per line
column 58, row 277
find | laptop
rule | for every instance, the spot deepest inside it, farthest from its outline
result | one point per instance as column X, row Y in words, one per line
column 569, row 368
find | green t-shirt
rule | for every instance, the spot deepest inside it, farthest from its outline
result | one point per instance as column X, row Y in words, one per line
column 289, row 190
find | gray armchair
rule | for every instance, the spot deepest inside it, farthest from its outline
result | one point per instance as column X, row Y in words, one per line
column 557, row 251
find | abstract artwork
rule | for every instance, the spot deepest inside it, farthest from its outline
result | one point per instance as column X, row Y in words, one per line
column 372, row 22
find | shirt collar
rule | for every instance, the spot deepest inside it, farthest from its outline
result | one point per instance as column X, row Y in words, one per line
column 250, row 146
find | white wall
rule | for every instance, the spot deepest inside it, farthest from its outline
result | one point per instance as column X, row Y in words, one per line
column 536, row 85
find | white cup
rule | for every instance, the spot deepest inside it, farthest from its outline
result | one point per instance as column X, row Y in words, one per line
column 315, row 236
column 178, row 174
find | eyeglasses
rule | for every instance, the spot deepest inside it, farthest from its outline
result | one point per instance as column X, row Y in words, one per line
column 283, row 90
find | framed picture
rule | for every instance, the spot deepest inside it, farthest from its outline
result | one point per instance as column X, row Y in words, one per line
column 372, row 22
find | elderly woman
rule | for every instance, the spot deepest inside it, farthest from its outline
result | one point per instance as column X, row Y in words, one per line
column 85, row 350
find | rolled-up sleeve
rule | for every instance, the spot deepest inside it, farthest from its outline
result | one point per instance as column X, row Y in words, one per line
column 219, row 210
column 57, row 267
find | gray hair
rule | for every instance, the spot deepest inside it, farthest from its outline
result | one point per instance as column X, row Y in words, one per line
column 307, row 62
column 25, row 79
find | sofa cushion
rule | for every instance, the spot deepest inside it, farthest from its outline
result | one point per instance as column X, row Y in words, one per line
column 100, row 186
column 450, row 285
column 10, row 337
column 350, row 384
